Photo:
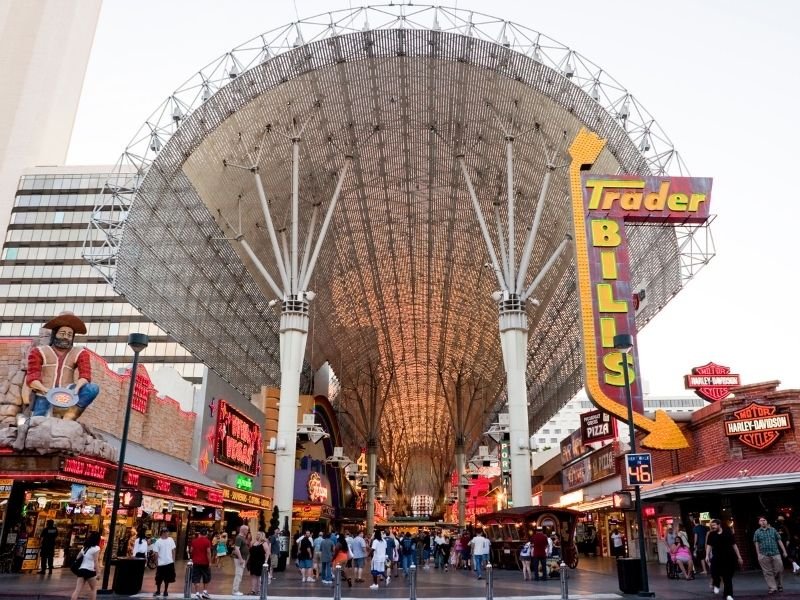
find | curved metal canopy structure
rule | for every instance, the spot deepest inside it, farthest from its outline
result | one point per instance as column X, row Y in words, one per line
column 402, row 309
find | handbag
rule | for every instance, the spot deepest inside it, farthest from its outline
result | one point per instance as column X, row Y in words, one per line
column 75, row 565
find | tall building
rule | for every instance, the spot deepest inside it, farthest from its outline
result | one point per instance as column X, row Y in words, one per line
column 44, row 51
column 42, row 272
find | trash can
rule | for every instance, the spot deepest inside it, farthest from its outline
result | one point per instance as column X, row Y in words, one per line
column 128, row 575
column 629, row 572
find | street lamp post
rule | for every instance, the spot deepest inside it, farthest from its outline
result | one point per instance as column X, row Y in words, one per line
column 624, row 343
column 137, row 343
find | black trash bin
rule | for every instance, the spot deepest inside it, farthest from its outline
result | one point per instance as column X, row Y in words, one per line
column 128, row 575
column 629, row 572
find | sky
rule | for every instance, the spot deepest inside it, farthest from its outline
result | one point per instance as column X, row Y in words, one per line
column 719, row 76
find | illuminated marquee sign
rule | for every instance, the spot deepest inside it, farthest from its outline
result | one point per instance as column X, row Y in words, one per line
column 758, row 425
column 90, row 470
column 572, row 448
column 712, row 382
column 238, row 440
column 594, row 467
column 602, row 204
column 317, row 492
column 247, row 498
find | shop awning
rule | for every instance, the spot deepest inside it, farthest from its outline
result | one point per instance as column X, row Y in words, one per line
column 143, row 458
column 769, row 471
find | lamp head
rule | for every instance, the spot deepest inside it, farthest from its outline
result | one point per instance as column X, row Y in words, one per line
column 623, row 342
column 138, row 341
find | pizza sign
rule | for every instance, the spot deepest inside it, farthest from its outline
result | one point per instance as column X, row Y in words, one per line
column 712, row 382
column 758, row 425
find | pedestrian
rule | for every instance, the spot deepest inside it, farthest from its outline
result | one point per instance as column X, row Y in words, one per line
column 480, row 552
column 274, row 551
column 340, row 559
column 221, row 548
column 378, row 567
column 240, row 553
column 317, row 555
column 359, row 551
column 617, row 544
column 722, row 556
column 683, row 558
column 392, row 554
column 48, row 546
column 200, row 552
column 407, row 552
column 525, row 559
column 164, row 549
column 140, row 545
column 326, row 550
column 89, row 567
column 305, row 556
column 699, row 533
column 259, row 555
column 770, row 551
column 539, row 546
column 465, row 551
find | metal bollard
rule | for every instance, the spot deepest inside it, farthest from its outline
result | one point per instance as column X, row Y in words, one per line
column 187, row 580
column 562, row 571
column 412, row 576
column 337, row 583
column 262, row 591
column 489, row 581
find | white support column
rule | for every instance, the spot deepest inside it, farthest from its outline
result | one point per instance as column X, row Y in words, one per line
column 372, row 484
column 461, row 465
column 293, row 336
column 514, row 340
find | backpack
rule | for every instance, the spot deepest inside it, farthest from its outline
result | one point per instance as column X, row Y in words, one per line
column 408, row 546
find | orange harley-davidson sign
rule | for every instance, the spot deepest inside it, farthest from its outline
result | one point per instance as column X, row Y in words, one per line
column 758, row 425
column 712, row 382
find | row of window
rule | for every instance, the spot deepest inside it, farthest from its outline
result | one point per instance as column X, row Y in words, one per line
column 64, row 182
column 50, row 272
column 94, row 330
column 58, row 200
column 50, row 253
column 78, row 234
column 170, row 349
column 187, row 370
column 51, row 218
column 56, row 290
column 82, row 309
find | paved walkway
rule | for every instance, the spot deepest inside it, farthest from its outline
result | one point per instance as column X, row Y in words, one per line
column 594, row 578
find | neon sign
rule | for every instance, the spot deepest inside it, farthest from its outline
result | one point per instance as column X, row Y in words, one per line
column 161, row 485
column 601, row 205
column 317, row 492
column 75, row 466
column 712, row 382
column 238, row 440
column 758, row 425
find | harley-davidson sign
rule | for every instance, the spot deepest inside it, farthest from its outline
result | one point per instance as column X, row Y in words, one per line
column 712, row 382
column 758, row 425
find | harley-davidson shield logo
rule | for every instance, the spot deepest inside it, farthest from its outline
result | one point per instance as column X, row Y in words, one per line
column 757, row 425
column 712, row 382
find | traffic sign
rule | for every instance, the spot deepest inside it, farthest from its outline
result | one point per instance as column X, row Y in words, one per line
column 640, row 468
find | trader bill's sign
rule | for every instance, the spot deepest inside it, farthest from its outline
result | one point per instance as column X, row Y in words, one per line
column 758, row 425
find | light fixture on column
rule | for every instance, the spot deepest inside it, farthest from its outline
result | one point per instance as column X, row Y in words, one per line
column 498, row 431
column 339, row 460
column 309, row 430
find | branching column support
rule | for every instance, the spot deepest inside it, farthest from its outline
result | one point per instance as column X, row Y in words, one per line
column 294, row 322
column 461, row 467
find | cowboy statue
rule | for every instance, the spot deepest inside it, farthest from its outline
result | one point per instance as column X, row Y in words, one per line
column 60, row 374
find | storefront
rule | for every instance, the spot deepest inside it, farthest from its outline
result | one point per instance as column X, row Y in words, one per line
column 242, row 507
column 312, row 509
column 76, row 493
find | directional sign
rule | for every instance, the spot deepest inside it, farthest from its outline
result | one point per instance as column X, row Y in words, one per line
column 640, row 468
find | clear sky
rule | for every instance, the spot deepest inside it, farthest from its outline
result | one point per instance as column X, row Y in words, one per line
column 720, row 77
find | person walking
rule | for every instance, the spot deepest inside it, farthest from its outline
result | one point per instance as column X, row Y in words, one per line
column 240, row 553
column 221, row 550
column 407, row 552
column 359, row 551
column 89, row 567
column 617, row 544
column 326, row 549
column 164, row 549
column 259, row 555
column 722, row 556
column 317, row 556
column 140, row 545
column 305, row 557
column 274, row 552
column 48, row 546
column 480, row 552
column 539, row 546
column 699, row 533
column 770, row 551
column 378, row 566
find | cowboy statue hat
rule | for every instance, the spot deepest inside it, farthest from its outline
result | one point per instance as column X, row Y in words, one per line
column 66, row 319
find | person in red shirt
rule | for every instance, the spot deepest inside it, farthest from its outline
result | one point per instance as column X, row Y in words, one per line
column 201, row 569
column 539, row 546
column 61, row 364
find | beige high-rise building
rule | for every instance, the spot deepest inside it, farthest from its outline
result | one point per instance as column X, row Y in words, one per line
column 44, row 51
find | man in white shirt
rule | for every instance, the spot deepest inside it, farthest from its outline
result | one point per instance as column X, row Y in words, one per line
column 480, row 552
column 164, row 548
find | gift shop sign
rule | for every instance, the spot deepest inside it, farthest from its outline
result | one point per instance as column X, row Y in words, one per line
column 758, row 425
column 712, row 382
column 596, row 466
column 238, row 440
column 601, row 207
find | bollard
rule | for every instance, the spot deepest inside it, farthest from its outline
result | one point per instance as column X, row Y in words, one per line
column 264, row 582
column 187, row 580
column 562, row 571
column 489, row 581
column 412, row 576
column 337, row 583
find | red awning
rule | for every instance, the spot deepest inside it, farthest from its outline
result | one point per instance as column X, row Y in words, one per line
column 781, row 469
